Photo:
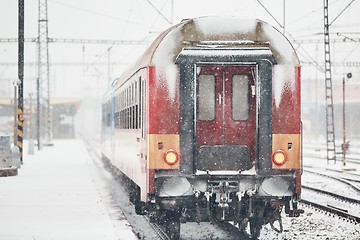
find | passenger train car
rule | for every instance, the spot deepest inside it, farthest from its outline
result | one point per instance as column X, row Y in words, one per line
column 207, row 126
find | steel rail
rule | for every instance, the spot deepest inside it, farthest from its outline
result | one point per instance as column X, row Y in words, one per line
column 159, row 231
column 357, row 189
column 331, row 209
column 347, row 199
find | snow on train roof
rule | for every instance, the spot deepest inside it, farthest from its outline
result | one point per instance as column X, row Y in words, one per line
column 228, row 32
column 215, row 32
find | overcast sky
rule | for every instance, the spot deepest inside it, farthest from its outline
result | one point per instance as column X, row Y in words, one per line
column 140, row 20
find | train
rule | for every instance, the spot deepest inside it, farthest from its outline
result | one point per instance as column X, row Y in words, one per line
column 206, row 125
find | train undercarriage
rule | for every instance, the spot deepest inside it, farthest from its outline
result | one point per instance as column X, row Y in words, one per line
column 223, row 200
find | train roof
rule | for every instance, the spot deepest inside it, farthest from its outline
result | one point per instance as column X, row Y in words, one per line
column 215, row 33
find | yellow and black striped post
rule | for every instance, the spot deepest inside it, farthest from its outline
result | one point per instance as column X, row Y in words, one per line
column 21, row 79
column 20, row 132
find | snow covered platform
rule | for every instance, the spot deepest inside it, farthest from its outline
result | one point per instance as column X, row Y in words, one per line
column 60, row 193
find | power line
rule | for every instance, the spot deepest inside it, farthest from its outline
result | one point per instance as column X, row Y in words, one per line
column 80, row 64
column 332, row 40
column 336, row 64
column 97, row 13
column 80, row 41
column 159, row 12
column 341, row 12
column 35, row 64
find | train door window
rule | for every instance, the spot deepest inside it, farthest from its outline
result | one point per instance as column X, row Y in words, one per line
column 206, row 97
column 240, row 97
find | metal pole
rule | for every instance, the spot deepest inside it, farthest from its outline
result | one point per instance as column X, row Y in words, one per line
column 21, row 79
column 345, row 144
column 38, row 113
column 343, row 147
column 284, row 18
column 15, row 114
column 31, row 129
column 43, row 71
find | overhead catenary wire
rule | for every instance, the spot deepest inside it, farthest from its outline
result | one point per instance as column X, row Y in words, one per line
column 341, row 12
column 98, row 13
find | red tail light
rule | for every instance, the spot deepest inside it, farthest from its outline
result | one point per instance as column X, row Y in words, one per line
column 171, row 157
column 279, row 157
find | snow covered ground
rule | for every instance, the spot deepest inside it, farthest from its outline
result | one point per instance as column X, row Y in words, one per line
column 59, row 194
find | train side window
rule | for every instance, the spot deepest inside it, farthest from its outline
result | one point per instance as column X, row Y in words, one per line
column 143, row 109
column 132, row 107
column 121, row 110
column 116, row 120
column 136, row 116
column 125, row 103
column 139, row 104
column 103, row 116
column 108, row 115
column 127, row 109
column 206, row 97
column 240, row 97
column 136, row 102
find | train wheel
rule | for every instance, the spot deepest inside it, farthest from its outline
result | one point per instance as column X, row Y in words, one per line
column 171, row 223
column 140, row 208
column 256, row 221
column 255, row 228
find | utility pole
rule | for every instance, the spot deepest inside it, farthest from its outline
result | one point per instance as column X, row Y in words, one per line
column 30, row 127
column 344, row 145
column 38, row 114
column 20, row 110
column 330, row 130
column 16, row 117
column 43, row 72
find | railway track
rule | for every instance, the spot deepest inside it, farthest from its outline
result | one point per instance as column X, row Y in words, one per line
column 326, row 199
column 159, row 231
column 347, row 181
column 342, row 206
